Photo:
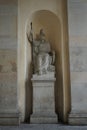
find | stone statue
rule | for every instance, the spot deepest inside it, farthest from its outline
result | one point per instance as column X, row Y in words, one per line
column 42, row 56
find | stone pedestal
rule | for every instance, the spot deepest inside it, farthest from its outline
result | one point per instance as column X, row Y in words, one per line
column 43, row 100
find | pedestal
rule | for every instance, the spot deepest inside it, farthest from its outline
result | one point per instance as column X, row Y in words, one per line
column 43, row 100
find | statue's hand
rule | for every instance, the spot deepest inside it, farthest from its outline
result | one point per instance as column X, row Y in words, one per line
column 53, row 57
column 52, row 54
column 30, row 37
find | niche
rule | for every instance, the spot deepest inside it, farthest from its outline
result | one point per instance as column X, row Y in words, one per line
column 51, row 24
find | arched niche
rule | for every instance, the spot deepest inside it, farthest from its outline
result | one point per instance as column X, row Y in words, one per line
column 52, row 26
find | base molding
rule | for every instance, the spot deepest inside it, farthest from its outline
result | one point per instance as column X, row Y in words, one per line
column 77, row 118
column 43, row 99
column 37, row 119
column 9, row 119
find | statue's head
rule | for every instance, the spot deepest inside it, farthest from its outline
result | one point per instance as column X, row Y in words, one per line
column 42, row 31
column 42, row 35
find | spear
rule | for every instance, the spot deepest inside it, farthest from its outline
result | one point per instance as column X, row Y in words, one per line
column 30, row 39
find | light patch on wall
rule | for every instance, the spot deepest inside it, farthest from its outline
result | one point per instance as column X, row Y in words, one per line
column 78, row 41
column 77, row 17
column 78, row 59
column 8, row 61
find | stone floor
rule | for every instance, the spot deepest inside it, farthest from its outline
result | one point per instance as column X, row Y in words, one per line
column 43, row 127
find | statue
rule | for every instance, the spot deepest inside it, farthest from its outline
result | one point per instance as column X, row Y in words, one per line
column 42, row 56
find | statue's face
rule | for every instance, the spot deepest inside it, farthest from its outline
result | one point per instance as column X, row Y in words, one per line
column 41, row 31
column 42, row 35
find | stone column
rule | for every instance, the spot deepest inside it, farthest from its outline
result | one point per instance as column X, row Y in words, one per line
column 43, row 100
column 9, row 113
column 78, row 61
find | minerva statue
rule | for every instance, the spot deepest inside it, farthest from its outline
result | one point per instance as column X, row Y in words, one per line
column 42, row 56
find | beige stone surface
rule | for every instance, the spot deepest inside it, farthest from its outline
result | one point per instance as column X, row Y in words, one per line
column 8, row 61
column 8, row 88
column 78, row 60
column 45, row 14
column 78, row 77
column 78, row 118
column 27, row 11
column 43, row 100
column 9, row 112
column 77, row 11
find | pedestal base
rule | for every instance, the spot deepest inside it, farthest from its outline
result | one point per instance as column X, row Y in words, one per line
column 45, row 119
column 9, row 119
column 78, row 118
column 43, row 100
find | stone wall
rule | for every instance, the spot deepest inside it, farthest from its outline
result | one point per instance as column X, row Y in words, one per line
column 8, row 80
column 77, row 10
column 8, row 59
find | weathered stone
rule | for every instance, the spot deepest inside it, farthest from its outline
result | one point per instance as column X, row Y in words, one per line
column 9, row 118
column 43, row 100
column 78, row 60
column 78, row 118
column 9, row 113
column 8, row 61
column 6, row 9
column 79, row 97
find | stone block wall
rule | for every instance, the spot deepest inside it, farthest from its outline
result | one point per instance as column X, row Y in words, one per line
column 77, row 19
column 8, row 61
column 8, row 80
column 77, row 14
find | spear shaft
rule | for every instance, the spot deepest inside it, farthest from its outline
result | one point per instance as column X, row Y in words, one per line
column 30, row 39
column 32, row 46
